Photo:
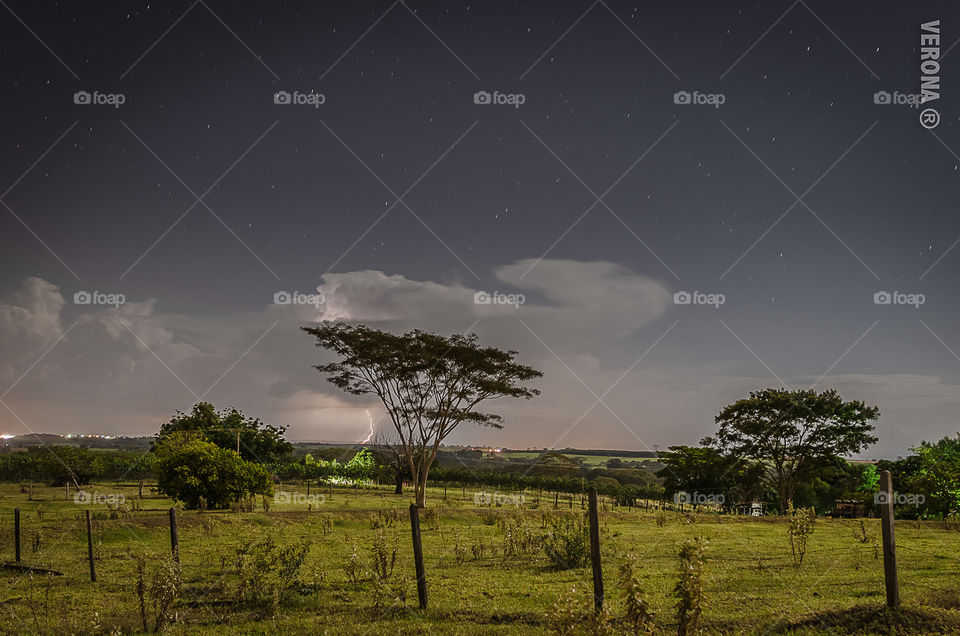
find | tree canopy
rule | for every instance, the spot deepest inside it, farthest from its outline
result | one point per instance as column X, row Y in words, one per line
column 792, row 430
column 708, row 471
column 259, row 442
column 198, row 471
column 428, row 383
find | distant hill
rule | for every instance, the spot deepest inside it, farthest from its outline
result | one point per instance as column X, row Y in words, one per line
column 89, row 441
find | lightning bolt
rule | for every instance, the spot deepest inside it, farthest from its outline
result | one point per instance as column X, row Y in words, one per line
column 370, row 434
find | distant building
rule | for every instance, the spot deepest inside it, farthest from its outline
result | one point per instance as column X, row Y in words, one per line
column 750, row 508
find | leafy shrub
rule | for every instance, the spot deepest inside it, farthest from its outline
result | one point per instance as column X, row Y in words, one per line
column 477, row 548
column 566, row 542
column 326, row 525
column 353, row 568
column 636, row 610
column 382, row 557
column 689, row 587
column 386, row 519
column 518, row 539
column 459, row 552
column 159, row 594
column 570, row 615
column 489, row 517
column 799, row 530
column 200, row 469
column 565, row 616
column 268, row 573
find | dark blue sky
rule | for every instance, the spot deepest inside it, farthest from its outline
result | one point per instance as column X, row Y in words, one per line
column 295, row 198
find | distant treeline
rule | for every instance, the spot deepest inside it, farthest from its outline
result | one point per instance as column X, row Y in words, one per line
column 516, row 481
column 58, row 465
column 20, row 442
column 608, row 453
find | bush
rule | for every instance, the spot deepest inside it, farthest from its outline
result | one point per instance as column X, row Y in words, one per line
column 200, row 471
column 800, row 529
column 158, row 592
column 383, row 555
column 268, row 573
column 689, row 587
column 637, row 613
column 566, row 542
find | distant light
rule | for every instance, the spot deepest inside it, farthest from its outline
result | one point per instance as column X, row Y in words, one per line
column 7, row 436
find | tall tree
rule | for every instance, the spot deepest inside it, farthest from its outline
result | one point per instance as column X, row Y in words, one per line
column 938, row 474
column 792, row 430
column 428, row 383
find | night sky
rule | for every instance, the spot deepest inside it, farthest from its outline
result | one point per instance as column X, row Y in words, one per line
column 393, row 197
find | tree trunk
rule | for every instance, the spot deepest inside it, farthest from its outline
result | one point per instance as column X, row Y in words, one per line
column 421, row 495
column 398, row 483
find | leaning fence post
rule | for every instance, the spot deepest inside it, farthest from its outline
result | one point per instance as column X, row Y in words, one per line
column 93, row 572
column 595, row 552
column 174, row 539
column 16, row 532
column 889, row 544
column 418, row 556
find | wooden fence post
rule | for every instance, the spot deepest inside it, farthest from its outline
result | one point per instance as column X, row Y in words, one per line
column 174, row 539
column 16, row 532
column 418, row 556
column 595, row 552
column 889, row 544
column 93, row 572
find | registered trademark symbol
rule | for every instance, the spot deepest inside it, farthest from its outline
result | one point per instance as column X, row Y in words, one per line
column 929, row 118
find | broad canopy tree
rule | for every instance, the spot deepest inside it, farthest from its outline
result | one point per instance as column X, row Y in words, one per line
column 708, row 471
column 793, row 430
column 938, row 474
column 428, row 383
column 202, row 474
column 258, row 442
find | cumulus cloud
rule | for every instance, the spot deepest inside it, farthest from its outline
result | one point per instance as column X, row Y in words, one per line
column 126, row 369
column 29, row 324
column 570, row 304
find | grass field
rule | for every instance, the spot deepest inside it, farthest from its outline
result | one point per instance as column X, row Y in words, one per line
column 751, row 584
column 592, row 461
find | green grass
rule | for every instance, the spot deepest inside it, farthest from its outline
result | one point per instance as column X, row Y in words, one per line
column 751, row 583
